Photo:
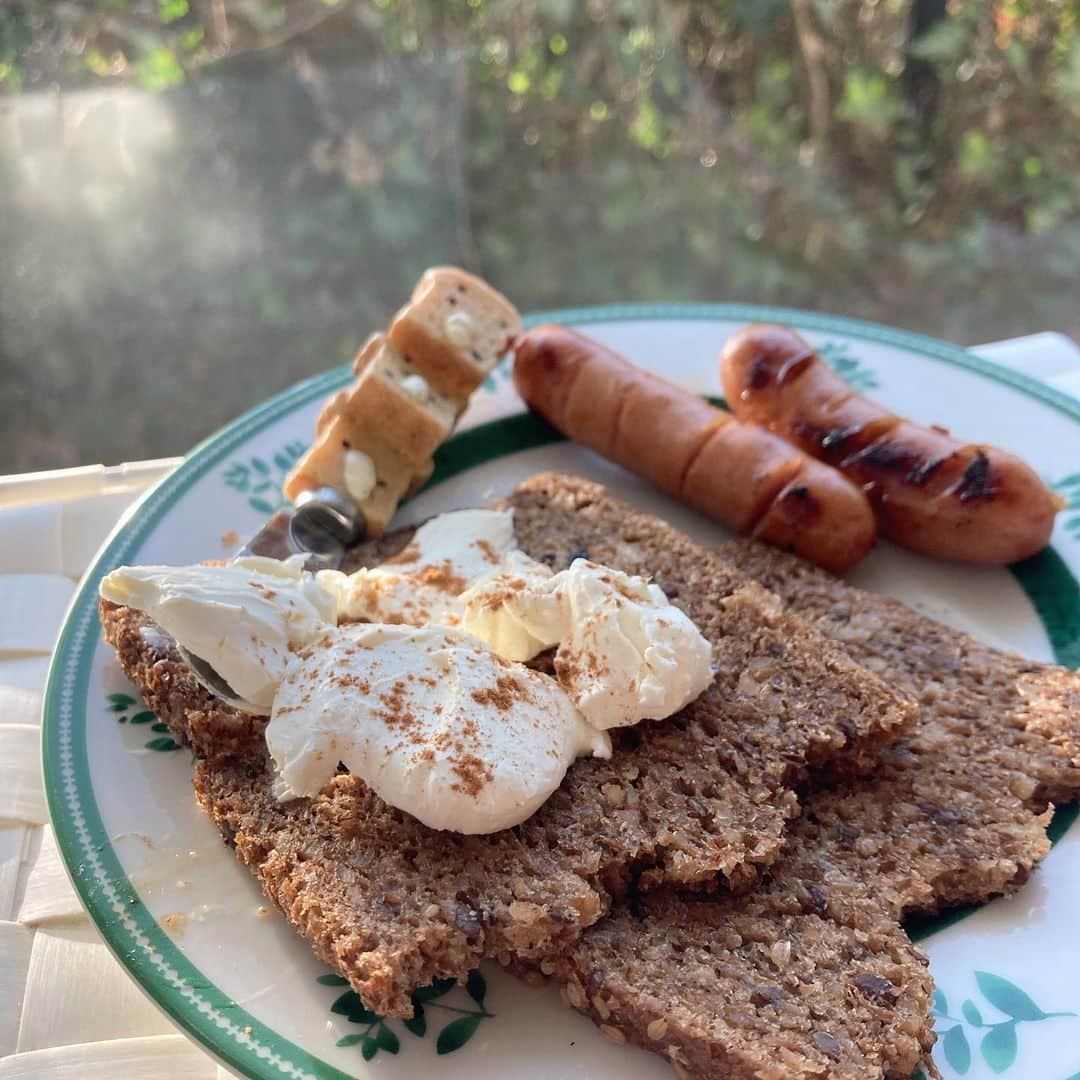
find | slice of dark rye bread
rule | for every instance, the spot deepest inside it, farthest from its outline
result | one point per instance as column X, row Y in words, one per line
column 705, row 794
column 810, row 975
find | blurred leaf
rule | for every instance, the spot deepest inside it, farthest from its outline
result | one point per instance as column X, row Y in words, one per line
column 97, row 62
column 756, row 15
column 1017, row 54
column 646, row 128
column 979, row 159
column 158, row 69
column 264, row 15
column 556, row 11
column 171, row 10
column 162, row 743
column 945, row 41
column 869, row 100
column 827, row 12
column 1067, row 78
column 191, row 39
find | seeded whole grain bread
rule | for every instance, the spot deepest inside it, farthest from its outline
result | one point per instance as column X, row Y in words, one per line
column 810, row 975
column 957, row 809
column 703, row 795
column 753, row 987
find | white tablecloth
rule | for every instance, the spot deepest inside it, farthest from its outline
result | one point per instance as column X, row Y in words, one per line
column 67, row 1008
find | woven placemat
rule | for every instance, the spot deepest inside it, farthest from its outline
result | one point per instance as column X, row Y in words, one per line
column 67, row 1008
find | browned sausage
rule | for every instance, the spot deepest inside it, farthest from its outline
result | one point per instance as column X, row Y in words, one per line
column 931, row 492
column 737, row 473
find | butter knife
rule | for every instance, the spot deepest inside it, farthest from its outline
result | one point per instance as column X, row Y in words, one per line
column 322, row 526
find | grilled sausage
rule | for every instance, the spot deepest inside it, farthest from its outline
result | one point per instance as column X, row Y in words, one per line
column 736, row 473
column 931, row 493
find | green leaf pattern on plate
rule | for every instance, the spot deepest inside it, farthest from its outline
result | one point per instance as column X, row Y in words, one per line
column 956, row 1049
column 377, row 1034
column 999, row 1044
column 836, row 354
column 499, row 374
column 261, row 480
column 848, row 367
column 121, row 704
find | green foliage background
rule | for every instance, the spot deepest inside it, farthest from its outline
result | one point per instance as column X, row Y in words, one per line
column 201, row 201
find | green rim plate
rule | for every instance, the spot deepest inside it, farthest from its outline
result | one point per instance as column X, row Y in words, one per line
column 156, row 961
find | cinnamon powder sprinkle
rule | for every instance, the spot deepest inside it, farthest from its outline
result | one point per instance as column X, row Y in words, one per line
column 265, row 591
column 570, row 667
column 502, row 695
column 500, row 597
column 354, row 682
column 442, row 577
column 473, row 773
column 394, row 713
column 488, row 551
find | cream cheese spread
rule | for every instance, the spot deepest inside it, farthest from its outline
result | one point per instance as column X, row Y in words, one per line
column 625, row 652
column 242, row 618
column 420, row 584
column 432, row 720
column 411, row 673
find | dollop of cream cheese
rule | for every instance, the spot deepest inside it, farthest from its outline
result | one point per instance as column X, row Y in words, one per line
column 243, row 618
column 513, row 610
column 434, row 721
column 420, row 585
column 625, row 652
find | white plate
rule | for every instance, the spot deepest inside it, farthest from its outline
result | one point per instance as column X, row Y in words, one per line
column 188, row 921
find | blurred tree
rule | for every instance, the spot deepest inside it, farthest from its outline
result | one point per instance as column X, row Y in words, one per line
column 914, row 161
